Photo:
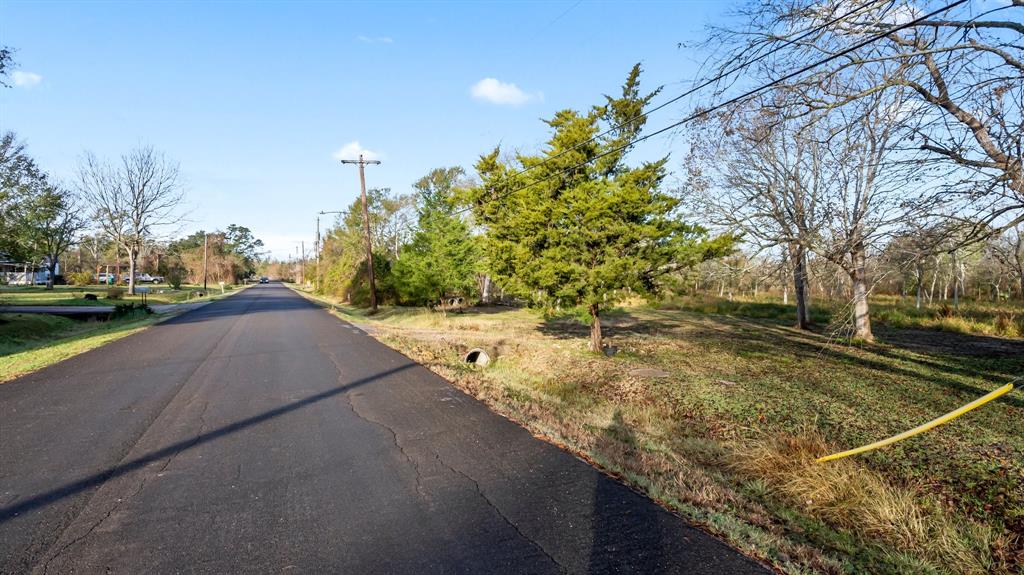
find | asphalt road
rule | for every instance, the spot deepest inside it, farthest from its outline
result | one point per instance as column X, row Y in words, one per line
column 261, row 434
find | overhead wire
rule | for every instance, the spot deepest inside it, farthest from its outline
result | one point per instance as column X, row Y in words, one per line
column 704, row 112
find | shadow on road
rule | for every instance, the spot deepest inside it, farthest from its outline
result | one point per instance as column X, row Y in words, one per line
column 97, row 479
column 615, row 511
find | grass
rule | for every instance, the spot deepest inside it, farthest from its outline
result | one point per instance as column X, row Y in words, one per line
column 728, row 438
column 29, row 342
column 73, row 295
column 1003, row 319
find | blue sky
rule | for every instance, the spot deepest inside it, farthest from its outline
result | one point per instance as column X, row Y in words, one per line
column 254, row 100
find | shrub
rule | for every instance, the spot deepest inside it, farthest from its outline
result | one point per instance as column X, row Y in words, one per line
column 131, row 309
column 175, row 276
column 945, row 311
column 79, row 278
column 115, row 293
column 1006, row 324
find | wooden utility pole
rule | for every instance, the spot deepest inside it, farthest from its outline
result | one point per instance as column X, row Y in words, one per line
column 366, row 224
column 316, row 247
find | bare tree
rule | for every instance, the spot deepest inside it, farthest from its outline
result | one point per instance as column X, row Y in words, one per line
column 759, row 176
column 961, row 72
column 133, row 198
column 1008, row 250
column 865, row 198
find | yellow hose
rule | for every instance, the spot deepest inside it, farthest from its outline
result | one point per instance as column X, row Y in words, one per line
column 922, row 428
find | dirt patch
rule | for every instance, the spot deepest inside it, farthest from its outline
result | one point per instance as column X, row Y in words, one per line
column 951, row 343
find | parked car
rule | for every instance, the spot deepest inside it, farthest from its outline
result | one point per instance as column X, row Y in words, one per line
column 143, row 279
column 104, row 278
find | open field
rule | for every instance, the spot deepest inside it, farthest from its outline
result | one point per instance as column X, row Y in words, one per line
column 724, row 426
column 73, row 295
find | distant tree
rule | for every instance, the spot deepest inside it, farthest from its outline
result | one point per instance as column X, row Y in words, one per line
column 761, row 177
column 443, row 257
column 20, row 180
column 1008, row 250
column 343, row 256
column 133, row 199
column 6, row 63
column 583, row 227
column 50, row 224
column 241, row 241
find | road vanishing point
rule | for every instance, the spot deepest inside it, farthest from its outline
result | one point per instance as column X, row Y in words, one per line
column 261, row 434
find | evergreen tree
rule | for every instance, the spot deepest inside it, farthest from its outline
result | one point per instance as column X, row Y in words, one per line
column 582, row 227
column 443, row 256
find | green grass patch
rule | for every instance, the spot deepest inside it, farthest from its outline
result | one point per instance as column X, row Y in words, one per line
column 33, row 341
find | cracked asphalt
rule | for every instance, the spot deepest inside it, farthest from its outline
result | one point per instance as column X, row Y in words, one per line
column 261, row 434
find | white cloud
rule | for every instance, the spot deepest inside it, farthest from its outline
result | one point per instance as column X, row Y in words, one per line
column 375, row 39
column 352, row 150
column 24, row 79
column 498, row 92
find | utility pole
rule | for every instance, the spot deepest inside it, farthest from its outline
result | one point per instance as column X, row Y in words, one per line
column 316, row 247
column 302, row 274
column 366, row 223
column 206, row 248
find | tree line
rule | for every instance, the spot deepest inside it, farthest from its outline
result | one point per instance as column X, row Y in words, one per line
column 116, row 216
column 901, row 153
column 892, row 164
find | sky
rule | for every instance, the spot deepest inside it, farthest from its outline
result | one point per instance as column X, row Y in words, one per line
column 257, row 100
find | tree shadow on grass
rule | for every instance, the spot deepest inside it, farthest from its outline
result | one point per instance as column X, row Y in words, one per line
column 69, row 331
column 949, row 354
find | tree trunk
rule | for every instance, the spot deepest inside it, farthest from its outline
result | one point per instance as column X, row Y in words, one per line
column 595, row 329
column 51, row 268
column 796, row 253
column 133, row 253
column 935, row 278
column 956, row 283
column 859, row 281
column 920, row 284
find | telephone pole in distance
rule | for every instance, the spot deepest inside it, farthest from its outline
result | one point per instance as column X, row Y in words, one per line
column 366, row 224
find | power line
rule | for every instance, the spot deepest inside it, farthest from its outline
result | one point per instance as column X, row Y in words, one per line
column 705, row 84
column 719, row 106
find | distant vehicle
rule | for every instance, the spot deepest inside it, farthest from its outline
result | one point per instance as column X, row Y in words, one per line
column 104, row 278
column 143, row 278
column 264, row 280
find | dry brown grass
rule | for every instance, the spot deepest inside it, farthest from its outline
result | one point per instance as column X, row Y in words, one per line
column 851, row 496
